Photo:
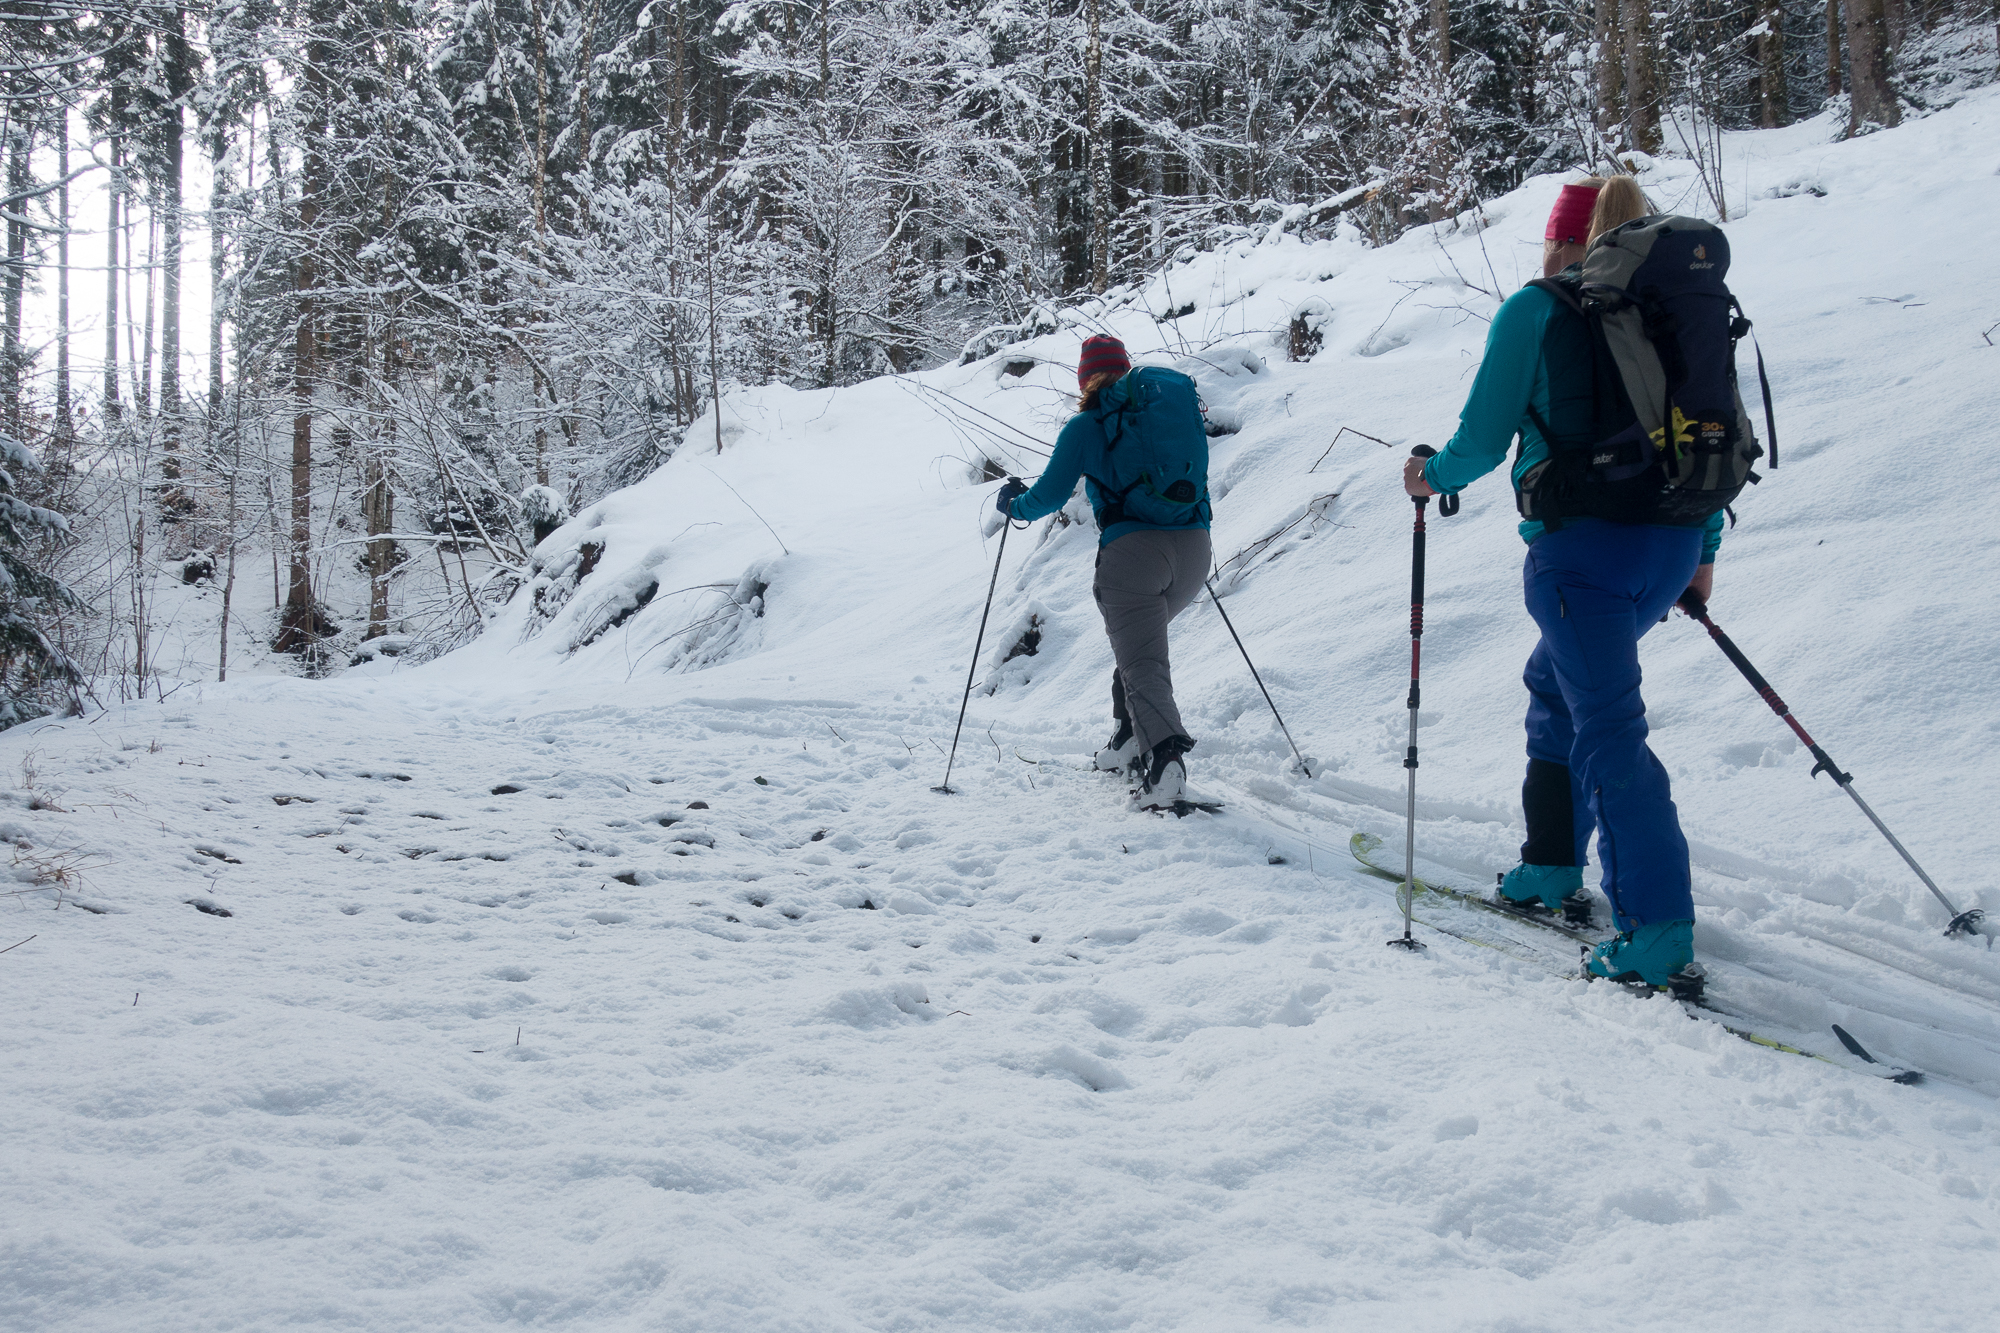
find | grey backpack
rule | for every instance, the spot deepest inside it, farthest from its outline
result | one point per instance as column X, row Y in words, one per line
column 1661, row 329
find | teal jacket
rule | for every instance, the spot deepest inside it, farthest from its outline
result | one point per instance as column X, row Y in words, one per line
column 1079, row 439
column 1512, row 378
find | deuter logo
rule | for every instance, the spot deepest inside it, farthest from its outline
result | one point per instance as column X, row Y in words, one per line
column 1700, row 254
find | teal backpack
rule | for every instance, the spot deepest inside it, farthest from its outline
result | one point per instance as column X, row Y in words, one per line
column 1153, row 467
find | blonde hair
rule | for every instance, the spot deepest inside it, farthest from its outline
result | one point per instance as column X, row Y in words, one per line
column 1088, row 398
column 1619, row 202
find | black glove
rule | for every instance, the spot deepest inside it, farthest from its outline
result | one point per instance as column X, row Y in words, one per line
column 1015, row 486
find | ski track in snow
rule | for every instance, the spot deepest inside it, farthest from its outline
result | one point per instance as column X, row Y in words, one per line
column 500, row 1029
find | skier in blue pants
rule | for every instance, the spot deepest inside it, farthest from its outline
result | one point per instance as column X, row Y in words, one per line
column 1594, row 587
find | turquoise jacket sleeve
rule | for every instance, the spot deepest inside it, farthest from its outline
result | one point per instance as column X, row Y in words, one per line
column 1057, row 483
column 1711, row 538
column 1510, row 378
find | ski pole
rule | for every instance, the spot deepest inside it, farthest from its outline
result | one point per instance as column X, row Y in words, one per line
column 1447, row 504
column 945, row 786
column 1216, row 598
column 1962, row 923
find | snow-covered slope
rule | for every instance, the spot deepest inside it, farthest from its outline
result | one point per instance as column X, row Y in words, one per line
column 803, row 1045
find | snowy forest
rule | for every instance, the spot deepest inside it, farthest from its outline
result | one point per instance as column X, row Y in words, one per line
column 467, row 266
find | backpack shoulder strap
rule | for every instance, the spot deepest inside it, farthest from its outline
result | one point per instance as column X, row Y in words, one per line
column 1568, row 293
column 1737, row 328
column 1125, row 408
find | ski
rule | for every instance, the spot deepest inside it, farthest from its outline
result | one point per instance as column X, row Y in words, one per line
column 1890, row 1073
column 1365, row 845
column 1696, row 1006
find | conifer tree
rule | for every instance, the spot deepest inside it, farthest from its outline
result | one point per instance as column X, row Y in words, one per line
column 33, row 669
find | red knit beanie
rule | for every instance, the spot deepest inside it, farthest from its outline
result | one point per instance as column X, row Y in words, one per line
column 1569, row 220
column 1101, row 352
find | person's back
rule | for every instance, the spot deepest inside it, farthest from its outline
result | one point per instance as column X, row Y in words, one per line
column 1138, row 442
column 1594, row 586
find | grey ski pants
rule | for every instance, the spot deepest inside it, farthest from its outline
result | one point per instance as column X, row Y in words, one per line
column 1145, row 579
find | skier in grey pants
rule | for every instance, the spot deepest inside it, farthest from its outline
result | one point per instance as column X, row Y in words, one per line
column 1145, row 579
column 1143, row 428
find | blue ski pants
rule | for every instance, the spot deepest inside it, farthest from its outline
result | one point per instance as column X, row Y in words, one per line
column 1595, row 588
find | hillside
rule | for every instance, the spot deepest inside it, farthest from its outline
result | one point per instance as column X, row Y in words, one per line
column 753, row 1030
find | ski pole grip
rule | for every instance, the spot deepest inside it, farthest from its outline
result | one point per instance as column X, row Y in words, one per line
column 1447, row 504
column 1690, row 602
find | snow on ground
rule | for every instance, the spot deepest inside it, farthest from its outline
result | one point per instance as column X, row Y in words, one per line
column 534, row 1005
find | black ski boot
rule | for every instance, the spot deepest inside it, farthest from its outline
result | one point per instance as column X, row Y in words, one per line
column 1121, row 753
column 1164, row 781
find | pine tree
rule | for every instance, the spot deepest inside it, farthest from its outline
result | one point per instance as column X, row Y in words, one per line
column 33, row 670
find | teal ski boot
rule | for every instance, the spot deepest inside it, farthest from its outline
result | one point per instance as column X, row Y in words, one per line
column 1555, row 890
column 1659, row 957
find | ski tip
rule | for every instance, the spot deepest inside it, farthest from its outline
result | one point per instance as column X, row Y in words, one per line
column 1909, row 1078
column 1854, row 1047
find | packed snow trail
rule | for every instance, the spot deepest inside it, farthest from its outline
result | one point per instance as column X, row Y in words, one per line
column 532, row 1005
column 1077, row 1068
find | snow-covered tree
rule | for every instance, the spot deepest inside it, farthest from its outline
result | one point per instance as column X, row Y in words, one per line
column 33, row 670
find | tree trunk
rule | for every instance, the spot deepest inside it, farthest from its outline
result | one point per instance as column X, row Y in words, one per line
column 1100, row 156
column 584, row 63
column 1642, row 89
column 298, row 626
column 1896, row 26
column 114, row 405
column 218, row 258
column 541, row 162
column 144, row 354
column 1610, row 67
column 229, row 580
column 378, row 503
column 714, row 369
column 11, row 355
column 1874, row 101
column 140, row 622
column 541, row 166
column 1833, row 48
column 1443, row 199
column 65, row 423
column 174, row 500
column 1777, row 108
